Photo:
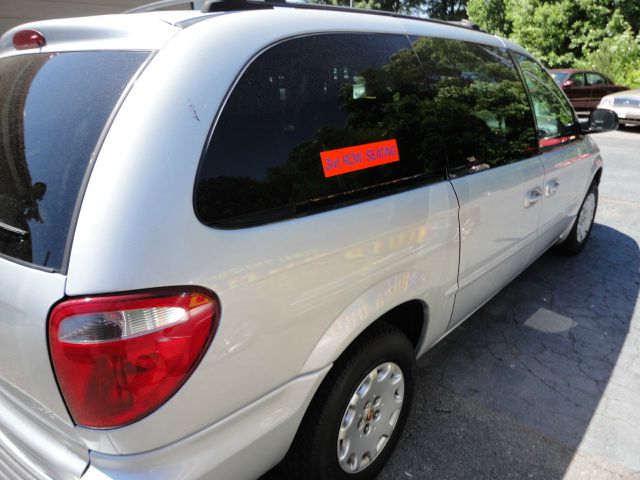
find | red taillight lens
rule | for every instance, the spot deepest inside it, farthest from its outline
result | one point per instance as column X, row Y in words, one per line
column 117, row 358
column 28, row 39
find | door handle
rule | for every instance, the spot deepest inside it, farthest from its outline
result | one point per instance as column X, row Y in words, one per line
column 532, row 197
column 551, row 187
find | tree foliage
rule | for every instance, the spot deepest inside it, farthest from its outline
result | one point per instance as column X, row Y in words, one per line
column 600, row 34
column 440, row 9
column 446, row 9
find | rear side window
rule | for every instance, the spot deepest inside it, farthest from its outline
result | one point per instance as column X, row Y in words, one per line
column 595, row 79
column 577, row 79
column 53, row 108
column 317, row 122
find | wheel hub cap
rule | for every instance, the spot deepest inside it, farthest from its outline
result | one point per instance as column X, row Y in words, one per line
column 370, row 417
column 585, row 218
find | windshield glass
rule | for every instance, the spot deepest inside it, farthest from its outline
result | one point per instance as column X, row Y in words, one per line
column 558, row 76
column 53, row 108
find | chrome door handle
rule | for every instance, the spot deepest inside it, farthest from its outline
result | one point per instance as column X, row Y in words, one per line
column 532, row 197
column 551, row 187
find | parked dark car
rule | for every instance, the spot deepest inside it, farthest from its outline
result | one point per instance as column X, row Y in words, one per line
column 583, row 87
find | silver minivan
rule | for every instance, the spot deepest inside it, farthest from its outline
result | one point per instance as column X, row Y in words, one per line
column 226, row 236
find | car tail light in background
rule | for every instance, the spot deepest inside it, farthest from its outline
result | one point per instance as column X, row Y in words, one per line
column 117, row 358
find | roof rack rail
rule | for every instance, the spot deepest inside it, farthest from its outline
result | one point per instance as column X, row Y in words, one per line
column 231, row 5
column 211, row 6
column 467, row 24
column 159, row 5
column 235, row 5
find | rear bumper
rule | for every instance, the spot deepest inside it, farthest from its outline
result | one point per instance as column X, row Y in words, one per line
column 15, row 464
column 36, row 446
column 242, row 446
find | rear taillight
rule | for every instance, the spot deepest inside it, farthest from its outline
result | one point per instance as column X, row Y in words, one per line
column 119, row 357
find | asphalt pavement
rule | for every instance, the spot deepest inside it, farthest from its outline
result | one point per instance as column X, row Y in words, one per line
column 543, row 382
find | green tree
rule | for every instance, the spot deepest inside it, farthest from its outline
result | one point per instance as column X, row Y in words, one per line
column 618, row 57
column 601, row 34
column 490, row 15
column 446, row 9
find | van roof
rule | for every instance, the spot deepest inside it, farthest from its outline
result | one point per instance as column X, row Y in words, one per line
column 151, row 30
column 140, row 31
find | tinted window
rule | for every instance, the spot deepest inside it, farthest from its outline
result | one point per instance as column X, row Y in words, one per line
column 578, row 79
column 554, row 116
column 475, row 105
column 53, row 108
column 297, row 103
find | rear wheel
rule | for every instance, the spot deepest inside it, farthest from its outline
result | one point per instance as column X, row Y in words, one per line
column 356, row 418
column 577, row 238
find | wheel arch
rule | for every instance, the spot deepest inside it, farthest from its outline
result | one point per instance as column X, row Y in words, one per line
column 395, row 302
column 313, row 425
column 410, row 318
column 597, row 177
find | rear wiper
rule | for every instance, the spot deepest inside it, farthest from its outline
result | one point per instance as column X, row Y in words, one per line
column 14, row 230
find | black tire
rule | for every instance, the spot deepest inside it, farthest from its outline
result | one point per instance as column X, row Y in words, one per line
column 314, row 453
column 577, row 238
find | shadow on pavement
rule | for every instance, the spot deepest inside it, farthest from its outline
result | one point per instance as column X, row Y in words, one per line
column 511, row 392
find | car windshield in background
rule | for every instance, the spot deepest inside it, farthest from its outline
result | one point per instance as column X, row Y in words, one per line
column 559, row 77
column 53, row 108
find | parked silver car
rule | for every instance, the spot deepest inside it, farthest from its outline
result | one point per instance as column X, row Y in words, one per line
column 226, row 236
column 626, row 105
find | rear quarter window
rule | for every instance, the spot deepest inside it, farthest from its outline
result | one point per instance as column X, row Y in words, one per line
column 53, row 109
column 303, row 104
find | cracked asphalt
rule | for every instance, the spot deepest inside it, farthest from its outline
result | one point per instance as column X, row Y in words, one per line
column 543, row 382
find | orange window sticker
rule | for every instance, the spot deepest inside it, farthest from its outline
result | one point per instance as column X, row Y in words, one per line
column 359, row 157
